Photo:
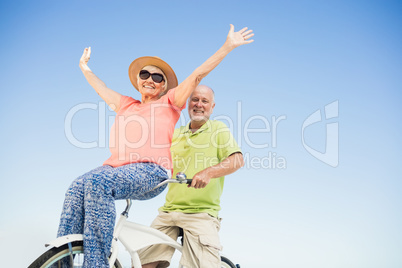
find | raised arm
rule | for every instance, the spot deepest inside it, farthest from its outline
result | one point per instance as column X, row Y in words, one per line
column 229, row 165
column 111, row 97
column 233, row 40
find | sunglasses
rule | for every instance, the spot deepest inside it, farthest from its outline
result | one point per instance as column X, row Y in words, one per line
column 157, row 78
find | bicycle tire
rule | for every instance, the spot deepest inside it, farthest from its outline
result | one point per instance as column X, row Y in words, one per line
column 54, row 255
column 226, row 263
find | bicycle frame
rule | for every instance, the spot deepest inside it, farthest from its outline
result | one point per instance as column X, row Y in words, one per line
column 135, row 236
column 132, row 235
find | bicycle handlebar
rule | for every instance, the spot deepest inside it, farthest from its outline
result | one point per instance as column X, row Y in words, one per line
column 180, row 178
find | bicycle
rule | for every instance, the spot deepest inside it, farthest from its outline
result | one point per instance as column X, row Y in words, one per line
column 132, row 235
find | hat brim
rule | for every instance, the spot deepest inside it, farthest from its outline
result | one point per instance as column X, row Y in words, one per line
column 137, row 65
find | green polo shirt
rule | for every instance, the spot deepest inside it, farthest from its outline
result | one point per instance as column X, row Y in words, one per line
column 191, row 153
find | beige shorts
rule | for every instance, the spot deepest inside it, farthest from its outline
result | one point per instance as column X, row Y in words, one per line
column 201, row 244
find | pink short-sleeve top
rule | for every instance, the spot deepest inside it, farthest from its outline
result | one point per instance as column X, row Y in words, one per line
column 143, row 132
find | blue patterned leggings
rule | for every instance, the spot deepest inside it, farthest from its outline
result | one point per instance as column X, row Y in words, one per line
column 89, row 207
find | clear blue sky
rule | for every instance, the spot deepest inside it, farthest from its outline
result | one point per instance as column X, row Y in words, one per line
column 315, row 191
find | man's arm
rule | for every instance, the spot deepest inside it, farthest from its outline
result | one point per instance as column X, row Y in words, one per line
column 226, row 167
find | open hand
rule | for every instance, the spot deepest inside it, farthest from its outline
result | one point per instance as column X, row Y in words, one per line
column 85, row 56
column 235, row 39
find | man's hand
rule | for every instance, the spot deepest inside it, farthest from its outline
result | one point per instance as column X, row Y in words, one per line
column 201, row 179
column 226, row 167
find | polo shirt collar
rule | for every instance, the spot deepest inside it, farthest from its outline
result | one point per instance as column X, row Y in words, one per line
column 204, row 127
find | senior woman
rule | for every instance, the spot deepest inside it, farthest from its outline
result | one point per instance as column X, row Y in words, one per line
column 140, row 142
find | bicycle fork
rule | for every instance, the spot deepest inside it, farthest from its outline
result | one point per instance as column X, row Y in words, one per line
column 115, row 247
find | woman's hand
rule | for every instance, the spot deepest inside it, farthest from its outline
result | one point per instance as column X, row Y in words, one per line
column 85, row 57
column 235, row 39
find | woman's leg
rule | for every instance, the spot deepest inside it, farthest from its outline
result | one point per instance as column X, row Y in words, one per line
column 136, row 181
column 72, row 216
column 133, row 181
column 89, row 207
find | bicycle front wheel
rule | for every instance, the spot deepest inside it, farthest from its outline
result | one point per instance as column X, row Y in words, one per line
column 60, row 257
column 226, row 263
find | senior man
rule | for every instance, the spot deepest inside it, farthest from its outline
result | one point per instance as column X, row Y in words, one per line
column 206, row 151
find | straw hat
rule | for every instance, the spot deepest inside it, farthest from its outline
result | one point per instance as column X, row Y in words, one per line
column 137, row 65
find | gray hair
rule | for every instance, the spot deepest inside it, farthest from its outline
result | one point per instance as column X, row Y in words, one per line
column 213, row 92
